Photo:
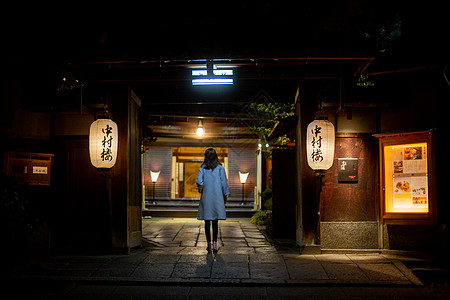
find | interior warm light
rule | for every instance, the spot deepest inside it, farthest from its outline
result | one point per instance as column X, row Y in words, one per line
column 154, row 175
column 243, row 177
column 200, row 130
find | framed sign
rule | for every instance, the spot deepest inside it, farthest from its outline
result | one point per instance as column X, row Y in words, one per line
column 347, row 170
column 407, row 178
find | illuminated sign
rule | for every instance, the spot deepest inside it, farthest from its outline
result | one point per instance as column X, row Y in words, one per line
column 218, row 76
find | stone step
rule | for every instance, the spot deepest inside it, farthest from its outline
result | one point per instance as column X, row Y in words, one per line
column 192, row 213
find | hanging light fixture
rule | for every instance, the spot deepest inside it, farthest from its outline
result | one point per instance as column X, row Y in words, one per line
column 200, row 130
column 103, row 141
column 320, row 140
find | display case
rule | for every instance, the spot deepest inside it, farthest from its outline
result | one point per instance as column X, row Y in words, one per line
column 29, row 168
column 407, row 178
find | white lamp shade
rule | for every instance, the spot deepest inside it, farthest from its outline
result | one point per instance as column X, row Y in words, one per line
column 103, row 140
column 243, row 177
column 320, row 140
column 154, row 175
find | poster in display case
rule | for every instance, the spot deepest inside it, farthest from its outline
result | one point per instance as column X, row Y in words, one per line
column 407, row 178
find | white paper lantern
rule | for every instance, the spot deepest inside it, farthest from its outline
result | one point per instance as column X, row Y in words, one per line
column 103, row 140
column 320, row 140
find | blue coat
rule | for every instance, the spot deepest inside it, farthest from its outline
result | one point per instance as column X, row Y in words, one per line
column 213, row 186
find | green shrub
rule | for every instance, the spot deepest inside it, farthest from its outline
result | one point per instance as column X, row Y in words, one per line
column 259, row 218
column 268, row 204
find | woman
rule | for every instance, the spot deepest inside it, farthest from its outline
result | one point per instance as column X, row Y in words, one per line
column 212, row 183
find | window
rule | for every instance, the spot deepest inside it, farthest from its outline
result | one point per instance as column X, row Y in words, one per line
column 407, row 178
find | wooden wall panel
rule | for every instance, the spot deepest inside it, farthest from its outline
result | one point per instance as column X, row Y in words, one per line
column 158, row 159
column 241, row 158
column 350, row 202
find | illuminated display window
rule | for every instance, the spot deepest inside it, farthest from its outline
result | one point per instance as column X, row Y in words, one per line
column 407, row 181
column 406, row 178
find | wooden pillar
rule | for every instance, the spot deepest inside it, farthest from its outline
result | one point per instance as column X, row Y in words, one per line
column 298, row 174
column 126, row 189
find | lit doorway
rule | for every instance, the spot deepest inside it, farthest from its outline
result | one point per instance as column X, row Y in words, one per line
column 185, row 164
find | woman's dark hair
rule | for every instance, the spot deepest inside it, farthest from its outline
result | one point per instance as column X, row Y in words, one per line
column 211, row 160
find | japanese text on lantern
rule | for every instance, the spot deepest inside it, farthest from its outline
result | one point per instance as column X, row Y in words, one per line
column 316, row 144
column 106, row 153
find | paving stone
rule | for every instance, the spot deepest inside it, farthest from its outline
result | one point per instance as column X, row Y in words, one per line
column 153, row 292
column 113, row 272
column 164, row 250
column 299, row 259
column 197, row 259
column 382, row 272
column 81, row 266
column 165, row 242
column 193, row 250
column 232, row 235
column 236, row 250
column 188, row 243
column 266, row 258
column 268, row 271
column 254, row 235
column 88, row 292
column 162, row 258
column 228, row 292
column 153, row 270
column 306, row 271
column 187, row 270
column 334, row 258
column 224, row 257
column 365, row 258
column 265, row 250
column 121, row 265
column 235, row 243
column 345, row 272
column 230, row 270
column 77, row 272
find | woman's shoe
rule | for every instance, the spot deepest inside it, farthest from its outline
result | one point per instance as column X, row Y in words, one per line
column 208, row 248
column 214, row 247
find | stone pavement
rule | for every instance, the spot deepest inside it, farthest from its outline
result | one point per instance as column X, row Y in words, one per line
column 174, row 253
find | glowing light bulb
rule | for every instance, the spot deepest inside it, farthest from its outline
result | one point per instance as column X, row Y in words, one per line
column 200, row 131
